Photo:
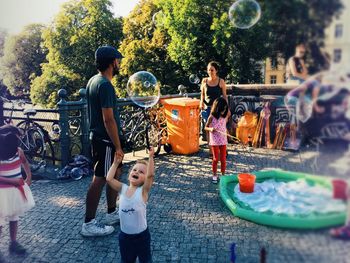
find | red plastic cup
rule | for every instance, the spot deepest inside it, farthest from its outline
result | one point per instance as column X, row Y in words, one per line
column 246, row 182
column 339, row 189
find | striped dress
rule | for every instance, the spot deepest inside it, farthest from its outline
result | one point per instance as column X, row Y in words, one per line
column 11, row 168
column 14, row 200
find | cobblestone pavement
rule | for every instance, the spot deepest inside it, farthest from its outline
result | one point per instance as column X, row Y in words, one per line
column 187, row 220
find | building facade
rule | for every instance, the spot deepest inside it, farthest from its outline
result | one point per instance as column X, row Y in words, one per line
column 275, row 70
column 337, row 41
column 337, row 48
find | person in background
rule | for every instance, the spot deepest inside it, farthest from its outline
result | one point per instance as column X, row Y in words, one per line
column 105, row 134
column 212, row 88
column 216, row 126
column 15, row 195
column 343, row 232
column 296, row 69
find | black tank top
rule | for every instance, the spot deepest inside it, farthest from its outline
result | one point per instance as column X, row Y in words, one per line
column 212, row 93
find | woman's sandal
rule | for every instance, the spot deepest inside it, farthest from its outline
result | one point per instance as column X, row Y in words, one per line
column 341, row 232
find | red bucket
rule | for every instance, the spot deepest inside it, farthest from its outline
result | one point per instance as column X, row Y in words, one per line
column 339, row 189
column 246, row 183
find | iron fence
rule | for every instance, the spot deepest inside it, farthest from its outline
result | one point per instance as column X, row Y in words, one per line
column 68, row 123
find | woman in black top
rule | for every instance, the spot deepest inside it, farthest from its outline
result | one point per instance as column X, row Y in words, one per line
column 296, row 69
column 212, row 88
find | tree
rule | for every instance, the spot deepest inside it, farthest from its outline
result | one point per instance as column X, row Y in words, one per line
column 292, row 22
column 23, row 55
column 144, row 48
column 77, row 31
column 3, row 35
column 200, row 31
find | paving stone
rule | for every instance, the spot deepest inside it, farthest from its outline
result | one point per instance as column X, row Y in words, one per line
column 187, row 220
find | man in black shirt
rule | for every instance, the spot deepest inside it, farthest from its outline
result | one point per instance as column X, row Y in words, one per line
column 105, row 139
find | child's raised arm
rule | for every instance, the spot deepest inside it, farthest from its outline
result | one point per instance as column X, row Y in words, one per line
column 25, row 165
column 207, row 125
column 149, row 176
column 112, row 182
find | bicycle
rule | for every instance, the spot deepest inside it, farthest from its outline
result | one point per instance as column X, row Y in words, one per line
column 140, row 128
column 33, row 138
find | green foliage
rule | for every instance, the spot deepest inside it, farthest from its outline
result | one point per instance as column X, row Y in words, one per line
column 200, row 31
column 144, row 48
column 44, row 88
column 291, row 22
column 187, row 35
column 77, row 31
column 23, row 55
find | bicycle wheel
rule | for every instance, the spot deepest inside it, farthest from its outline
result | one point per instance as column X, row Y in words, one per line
column 153, row 138
column 34, row 148
column 27, row 125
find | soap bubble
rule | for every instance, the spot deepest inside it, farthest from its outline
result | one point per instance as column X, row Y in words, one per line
column 303, row 109
column 143, row 89
column 158, row 18
column 319, row 95
column 244, row 14
column 194, row 79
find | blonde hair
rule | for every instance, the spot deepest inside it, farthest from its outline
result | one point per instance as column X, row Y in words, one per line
column 143, row 162
column 138, row 161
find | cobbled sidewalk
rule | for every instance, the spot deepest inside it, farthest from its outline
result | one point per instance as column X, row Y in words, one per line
column 187, row 220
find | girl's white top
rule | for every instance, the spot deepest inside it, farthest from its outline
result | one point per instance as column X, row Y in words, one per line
column 132, row 212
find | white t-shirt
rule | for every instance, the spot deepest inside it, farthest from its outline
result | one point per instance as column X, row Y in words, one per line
column 132, row 212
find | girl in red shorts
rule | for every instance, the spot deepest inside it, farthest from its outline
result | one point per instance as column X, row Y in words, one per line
column 216, row 126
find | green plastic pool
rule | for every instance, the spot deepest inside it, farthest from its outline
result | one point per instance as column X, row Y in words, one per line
column 312, row 221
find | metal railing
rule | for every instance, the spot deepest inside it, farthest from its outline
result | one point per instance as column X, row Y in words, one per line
column 72, row 116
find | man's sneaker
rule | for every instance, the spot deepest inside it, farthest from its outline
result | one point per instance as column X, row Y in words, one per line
column 93, row 229
column 214, row 179
column 16, row 248
column 112, row 218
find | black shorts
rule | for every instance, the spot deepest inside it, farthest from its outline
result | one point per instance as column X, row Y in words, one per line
column 102, row 152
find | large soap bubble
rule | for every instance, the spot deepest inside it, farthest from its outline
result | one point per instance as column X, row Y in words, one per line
column 143, row 89
column 321, row 94
column 158, row 19
column 244, row 14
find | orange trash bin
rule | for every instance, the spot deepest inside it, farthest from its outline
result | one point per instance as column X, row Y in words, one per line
column 182, row 115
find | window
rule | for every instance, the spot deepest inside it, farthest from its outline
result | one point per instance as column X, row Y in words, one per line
column 338, row 31
column 273, row 79
column 274, row 63
column 337, row 55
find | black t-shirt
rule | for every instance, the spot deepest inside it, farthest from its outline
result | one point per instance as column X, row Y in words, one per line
column 101, row 94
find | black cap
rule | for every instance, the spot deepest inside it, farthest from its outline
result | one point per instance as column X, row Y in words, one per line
column 106, row 53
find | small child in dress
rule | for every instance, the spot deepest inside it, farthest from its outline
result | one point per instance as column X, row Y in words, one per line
column 216, row 126
column 134, row 237
column 15, row 195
